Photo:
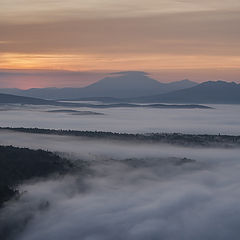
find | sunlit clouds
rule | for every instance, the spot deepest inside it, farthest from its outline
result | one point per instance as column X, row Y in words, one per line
column 43, row 10
column 105, row 35
column 116, row 63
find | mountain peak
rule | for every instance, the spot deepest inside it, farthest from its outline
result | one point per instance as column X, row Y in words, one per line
column 186, row 80
column 125, row 84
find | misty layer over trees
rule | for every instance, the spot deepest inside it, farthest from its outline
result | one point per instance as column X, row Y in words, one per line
column 125, row 173
column 124, row 190
column 223, row 119
column 152, row 138
column 17, row 165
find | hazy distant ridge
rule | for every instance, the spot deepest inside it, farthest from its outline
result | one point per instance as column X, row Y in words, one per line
column 134, row 86
column 207, row 92
column 120, row 85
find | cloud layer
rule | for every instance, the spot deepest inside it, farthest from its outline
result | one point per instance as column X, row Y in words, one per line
column 108, row 36
column 148, row 197
column 42, row 10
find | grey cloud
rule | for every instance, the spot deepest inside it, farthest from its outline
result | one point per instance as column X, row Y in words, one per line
column 206, row 32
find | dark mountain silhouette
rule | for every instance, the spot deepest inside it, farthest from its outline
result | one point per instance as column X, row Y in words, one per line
column 13, row 99
column 207, row 92
column 119, row 85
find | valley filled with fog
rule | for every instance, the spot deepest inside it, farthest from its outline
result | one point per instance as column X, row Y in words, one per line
column 126, row 191
column 120, row 189
column 119, row 120
column 223, row 119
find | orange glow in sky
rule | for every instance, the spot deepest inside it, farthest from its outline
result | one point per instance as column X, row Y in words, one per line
column 111, row 63
column 102, row 36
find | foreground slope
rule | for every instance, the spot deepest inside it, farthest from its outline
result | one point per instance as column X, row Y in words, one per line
column 21, row 164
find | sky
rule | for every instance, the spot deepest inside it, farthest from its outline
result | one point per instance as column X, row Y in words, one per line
column 73, row 43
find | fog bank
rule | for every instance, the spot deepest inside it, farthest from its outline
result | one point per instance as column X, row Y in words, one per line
column 129, row 191
column 222, row 119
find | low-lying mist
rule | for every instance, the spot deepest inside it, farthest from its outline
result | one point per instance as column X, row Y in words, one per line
column 127, row 191
column 222, row 119
column 92, row 149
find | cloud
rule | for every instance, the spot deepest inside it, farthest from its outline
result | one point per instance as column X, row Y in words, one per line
column 157, row 36
column 148, row 197
column 201, row 40
column 130, row 72
column 55, row 10
column 209, row 33
column 222, row 119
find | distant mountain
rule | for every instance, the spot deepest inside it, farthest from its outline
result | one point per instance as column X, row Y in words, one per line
column 182, row 84
column 117, row 85
column 13, row 99
column 207, row 92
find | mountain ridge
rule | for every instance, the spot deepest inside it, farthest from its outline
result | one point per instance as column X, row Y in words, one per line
column 206, row 92
column 120, row 85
